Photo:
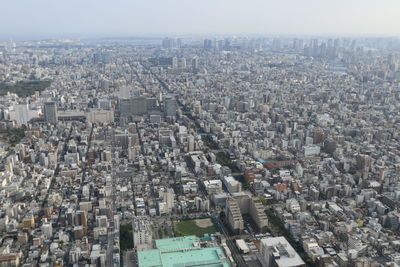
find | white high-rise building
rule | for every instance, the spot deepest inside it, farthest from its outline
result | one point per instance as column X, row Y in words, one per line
column 47, row 229
column 169, row 199
column 124, row 92
column 142, row 233
column 21, row 113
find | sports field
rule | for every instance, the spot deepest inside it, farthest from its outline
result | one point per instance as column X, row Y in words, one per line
column 197, row 227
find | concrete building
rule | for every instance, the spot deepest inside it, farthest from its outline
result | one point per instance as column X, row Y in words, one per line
column 169, row 106
column 231, row 184
column 242, row 203
column 234, row 216
column 142, row 232
column 213, row 186
column 276, row 251
column 100, row 116
column 169, row 199
column 21, row 113
column 182, row 251
column 138, row 106
column 125, row 107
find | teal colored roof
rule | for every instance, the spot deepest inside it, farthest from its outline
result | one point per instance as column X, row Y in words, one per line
column 176, row 243
column 180, row 252
column 150, row 258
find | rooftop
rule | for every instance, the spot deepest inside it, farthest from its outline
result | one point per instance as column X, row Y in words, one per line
column 182, row 252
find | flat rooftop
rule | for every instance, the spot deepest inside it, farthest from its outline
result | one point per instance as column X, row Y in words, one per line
column 288, row 256
column 182, row 251
column 184, row 242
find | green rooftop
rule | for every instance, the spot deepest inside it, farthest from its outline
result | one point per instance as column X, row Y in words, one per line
column 180, row 252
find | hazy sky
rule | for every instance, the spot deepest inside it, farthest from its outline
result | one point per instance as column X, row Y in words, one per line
column 48, row 18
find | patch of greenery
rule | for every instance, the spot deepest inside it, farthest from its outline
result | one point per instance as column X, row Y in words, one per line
column 14, row 135
column 263, row 200
column 225, row 161
column 24, row 88
column 209, row 141
column 189, row 227
column 126, row 237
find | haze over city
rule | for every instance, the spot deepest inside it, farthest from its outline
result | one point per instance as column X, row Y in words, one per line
column 75, row 18
column 212, row 133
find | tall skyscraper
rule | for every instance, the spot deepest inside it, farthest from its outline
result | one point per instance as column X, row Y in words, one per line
column 207, row 44
column 168, row 43
column 195, row 64
column 276, row 45
column 170, row 106
column 151, row 103
column 174, row 62
column 50, row 112
column 125, row 107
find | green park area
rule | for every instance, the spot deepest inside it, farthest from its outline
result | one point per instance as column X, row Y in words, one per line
column 12, row 136
column 24, row 88
column 197, row 227
column 126, row 237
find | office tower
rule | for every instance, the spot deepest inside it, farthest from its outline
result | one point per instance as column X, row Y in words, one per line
column 135, row 106
column 276, row 45
column 50, row 112
column 182, row 63
column 125, row 107
column 315, row 48
column 174, row 63
column 168, row 43
column 295, row 43
column 151, row 104
column 227, row 44
column 179, row 43
column 298, row 44
column 138, row 106
column 323, row 50
column 170, row 106
column 207, row 44
column 195, row 64
column 336, row 46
